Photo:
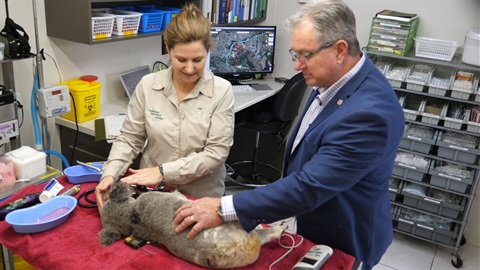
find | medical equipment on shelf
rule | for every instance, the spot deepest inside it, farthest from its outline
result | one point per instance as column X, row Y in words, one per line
column 53, row 101
column 8, row 121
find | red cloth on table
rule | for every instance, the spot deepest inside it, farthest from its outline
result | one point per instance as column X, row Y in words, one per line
column 75, row 245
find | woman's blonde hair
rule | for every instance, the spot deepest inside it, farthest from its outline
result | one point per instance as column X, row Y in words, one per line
column 188, row 26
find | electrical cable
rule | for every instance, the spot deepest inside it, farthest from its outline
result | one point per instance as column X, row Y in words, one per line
column 20, row 106
column 290, row 248
column 162, row 67
column 77, row 129
column 56, row 66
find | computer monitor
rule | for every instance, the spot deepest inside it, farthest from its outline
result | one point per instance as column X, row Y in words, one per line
column 131, row 78
column 241, row 52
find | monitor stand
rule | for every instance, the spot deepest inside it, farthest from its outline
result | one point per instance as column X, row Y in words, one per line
column 237, row 80
column 234, row 81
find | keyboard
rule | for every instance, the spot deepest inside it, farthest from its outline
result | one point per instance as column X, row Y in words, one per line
column 243, row 88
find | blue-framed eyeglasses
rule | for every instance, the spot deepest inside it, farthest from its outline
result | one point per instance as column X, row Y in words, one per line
column 304, row 58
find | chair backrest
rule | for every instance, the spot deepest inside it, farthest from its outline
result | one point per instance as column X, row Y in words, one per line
column 287, row 101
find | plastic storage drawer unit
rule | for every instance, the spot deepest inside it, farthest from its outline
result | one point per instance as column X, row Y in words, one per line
column 440, row 80
column 418, row 138
column 417, row 76
column 450, row 176
column 430, row 227
column 449, row 206
column 458, row 148
column 410, row 166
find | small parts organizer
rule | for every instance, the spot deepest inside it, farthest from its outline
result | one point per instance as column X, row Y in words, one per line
column 442, row 87
column 437, row 168
column 127, row 21
column 392, row 36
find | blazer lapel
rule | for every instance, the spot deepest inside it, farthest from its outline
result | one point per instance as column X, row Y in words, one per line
column 340, row 99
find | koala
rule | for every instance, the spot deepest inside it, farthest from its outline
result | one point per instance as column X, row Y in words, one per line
column 151, row 216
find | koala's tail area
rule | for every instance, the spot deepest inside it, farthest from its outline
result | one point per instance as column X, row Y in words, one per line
column 121, row 192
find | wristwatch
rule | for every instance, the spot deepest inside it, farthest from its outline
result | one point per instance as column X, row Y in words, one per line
column 161, row 169
column 219, row 211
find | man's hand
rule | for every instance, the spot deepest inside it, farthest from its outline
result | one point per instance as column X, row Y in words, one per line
column 201, row 213
column 102, row 190
column 144, row 177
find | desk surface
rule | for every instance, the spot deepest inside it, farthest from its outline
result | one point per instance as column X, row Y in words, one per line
column 242, row 101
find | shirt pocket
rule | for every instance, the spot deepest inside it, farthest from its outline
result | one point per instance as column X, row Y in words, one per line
column 197, row 120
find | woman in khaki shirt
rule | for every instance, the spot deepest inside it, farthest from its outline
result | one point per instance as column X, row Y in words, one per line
column 181, row 118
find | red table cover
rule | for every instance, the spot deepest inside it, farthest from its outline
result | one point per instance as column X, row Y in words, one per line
column 75, row 245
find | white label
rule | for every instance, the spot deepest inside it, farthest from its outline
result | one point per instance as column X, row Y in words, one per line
column 458, row 147
column 391, row 25
column 425, row 227
column 414, row 138
column 431, row 200
column 407, row 166
column 451, row 177
column 406, row 221
column 388, row 37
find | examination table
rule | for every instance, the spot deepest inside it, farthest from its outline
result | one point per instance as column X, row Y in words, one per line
column 75, row 245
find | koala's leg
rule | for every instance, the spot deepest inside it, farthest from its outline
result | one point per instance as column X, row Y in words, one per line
column 267, row 234
column 108, row 236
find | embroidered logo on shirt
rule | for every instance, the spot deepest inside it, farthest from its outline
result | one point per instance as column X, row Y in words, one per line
column 156, row 114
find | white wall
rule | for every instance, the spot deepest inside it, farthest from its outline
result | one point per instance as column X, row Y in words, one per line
column 444, row 19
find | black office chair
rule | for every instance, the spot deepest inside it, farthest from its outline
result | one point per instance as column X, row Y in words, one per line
column 275, row 117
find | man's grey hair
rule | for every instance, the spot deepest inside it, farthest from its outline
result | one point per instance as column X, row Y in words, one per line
column 333, row 19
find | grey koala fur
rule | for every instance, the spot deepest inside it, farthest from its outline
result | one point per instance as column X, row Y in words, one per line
column 151, row 215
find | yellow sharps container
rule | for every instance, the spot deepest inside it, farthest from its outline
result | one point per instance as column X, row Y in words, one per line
column 86, row 98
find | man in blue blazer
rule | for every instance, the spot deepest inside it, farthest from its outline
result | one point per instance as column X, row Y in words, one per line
column 341, row 154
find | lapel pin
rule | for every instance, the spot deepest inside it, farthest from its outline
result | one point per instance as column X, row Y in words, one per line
column 340, row 102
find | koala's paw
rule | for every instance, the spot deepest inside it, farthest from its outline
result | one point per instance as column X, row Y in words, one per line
column 108, row 237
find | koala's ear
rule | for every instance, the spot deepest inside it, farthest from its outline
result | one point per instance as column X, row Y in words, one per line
column 120, row 192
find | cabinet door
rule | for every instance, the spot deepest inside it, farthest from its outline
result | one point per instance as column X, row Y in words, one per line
column 86, row 148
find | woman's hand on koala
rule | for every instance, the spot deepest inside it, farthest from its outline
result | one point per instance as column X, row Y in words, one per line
column 102, row 190
column 144, row 177
column 201, row 213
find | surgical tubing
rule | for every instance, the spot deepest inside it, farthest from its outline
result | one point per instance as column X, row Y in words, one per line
column 34, row 113
column 62, row 157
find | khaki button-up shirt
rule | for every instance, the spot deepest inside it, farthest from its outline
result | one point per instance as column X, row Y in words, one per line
column 192, row 139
